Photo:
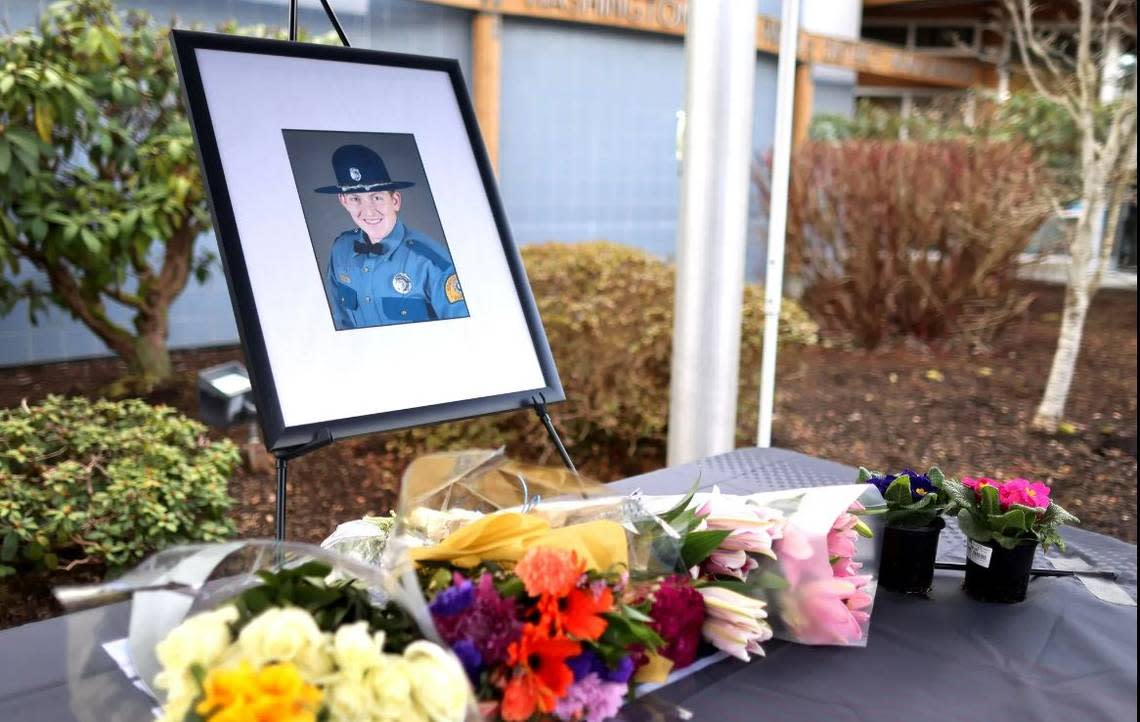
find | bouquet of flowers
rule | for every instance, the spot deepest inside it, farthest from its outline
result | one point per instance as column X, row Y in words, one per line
column 915, row 504
column 786, row 564
column 1004, row 521
column 297, row 635
column 546, row 586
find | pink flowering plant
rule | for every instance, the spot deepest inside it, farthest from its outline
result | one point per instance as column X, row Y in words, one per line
column 1007, row 512
column 914, row 500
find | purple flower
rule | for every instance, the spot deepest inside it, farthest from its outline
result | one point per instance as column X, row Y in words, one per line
column 490, row 622
column 588, row 662
column 622, row 672
column 591, row 699
column 454, row 599
column 920, row 484
column 470, row 658
column 585, row 664
column 882, row 482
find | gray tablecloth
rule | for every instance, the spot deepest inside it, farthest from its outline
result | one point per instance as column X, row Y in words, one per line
column 1061, row 655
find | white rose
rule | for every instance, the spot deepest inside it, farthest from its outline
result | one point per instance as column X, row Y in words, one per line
column 176, row 708
column 392, row 690
column 350, row 701
column 316, row 662
column 439, row 684
column 201, row 639
column 280, row 635
column 356, row 651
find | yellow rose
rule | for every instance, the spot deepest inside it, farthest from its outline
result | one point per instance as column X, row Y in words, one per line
column 282, row 635
column 439, row 684
column 356, row 651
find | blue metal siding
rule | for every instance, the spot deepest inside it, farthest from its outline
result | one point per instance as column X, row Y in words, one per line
column 589, row 133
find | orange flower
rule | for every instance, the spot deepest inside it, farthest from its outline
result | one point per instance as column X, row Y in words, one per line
column 521, row 698
column 579, row 614
column 542, row 676
column 549, row 571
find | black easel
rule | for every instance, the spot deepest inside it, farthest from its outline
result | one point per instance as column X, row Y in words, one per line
column 539, row 405
column 324, row 438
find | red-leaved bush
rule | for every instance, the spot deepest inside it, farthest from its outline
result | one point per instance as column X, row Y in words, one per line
column 896, row 238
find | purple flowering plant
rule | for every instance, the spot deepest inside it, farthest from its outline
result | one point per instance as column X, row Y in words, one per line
column 914, row 500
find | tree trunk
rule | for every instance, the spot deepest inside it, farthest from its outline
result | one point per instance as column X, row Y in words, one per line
column 151, row 363
column 1049, row 413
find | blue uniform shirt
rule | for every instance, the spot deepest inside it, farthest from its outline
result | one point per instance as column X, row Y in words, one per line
column 407, row 277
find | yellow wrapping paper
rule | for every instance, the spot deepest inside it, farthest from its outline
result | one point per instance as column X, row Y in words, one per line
column 506, row 536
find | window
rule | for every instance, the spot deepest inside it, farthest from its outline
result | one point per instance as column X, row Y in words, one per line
column 894, row 34
column 948, row 37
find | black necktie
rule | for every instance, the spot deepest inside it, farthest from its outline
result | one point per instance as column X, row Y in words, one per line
column 376, row 249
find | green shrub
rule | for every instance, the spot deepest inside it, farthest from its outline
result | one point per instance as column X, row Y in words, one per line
column 107, row 482
column 608, row 313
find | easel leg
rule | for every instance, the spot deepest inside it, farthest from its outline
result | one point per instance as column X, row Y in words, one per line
column 539, row 403
column 282, row 483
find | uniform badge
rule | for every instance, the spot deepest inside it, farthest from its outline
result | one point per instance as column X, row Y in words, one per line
column 452, row 290
column 354, row 173
column 344, row 278
column 402, row 283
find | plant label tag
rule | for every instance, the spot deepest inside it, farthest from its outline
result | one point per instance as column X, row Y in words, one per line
column 978, row 554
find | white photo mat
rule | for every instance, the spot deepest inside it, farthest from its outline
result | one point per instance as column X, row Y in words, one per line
column 320, row 374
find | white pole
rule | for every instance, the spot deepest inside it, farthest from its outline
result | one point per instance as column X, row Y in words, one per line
column 778, row 213
column 720, row 61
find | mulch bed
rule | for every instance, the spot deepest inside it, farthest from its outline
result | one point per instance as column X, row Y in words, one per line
column 884, row 409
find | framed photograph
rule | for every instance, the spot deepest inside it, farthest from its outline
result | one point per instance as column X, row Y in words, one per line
column 373, row 274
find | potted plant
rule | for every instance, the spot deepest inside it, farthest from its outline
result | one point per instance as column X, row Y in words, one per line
column 1004, row 521
column 915, row 503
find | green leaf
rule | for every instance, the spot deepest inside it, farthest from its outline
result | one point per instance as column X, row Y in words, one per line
column 6, row 570
column 635, row 615
column 90, row 240
column 865, row 475
column 769, row 579
column 9, row 547
column 5, row 156
column 936, row 477
column 972, row 528
column 51, row 561
column 698, row 545
column 898, row 493
column 23, row 140
column 990, row 503
column 675, row 512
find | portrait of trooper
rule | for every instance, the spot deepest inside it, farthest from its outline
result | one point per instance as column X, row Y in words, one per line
column 382, row 272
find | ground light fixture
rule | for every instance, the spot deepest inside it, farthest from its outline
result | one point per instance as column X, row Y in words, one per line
column 225, row 395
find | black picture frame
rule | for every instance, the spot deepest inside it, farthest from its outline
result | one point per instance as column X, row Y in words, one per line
column 277, row 435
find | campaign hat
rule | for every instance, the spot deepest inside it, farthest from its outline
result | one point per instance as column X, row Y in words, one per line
column 359, row 169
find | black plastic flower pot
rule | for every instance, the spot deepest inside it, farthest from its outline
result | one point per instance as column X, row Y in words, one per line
column 997, row 574
column 907, row 564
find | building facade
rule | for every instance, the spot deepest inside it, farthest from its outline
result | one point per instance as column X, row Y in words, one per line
column 578, row 101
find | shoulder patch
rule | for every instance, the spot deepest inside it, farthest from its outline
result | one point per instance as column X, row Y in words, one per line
column 452, row 290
